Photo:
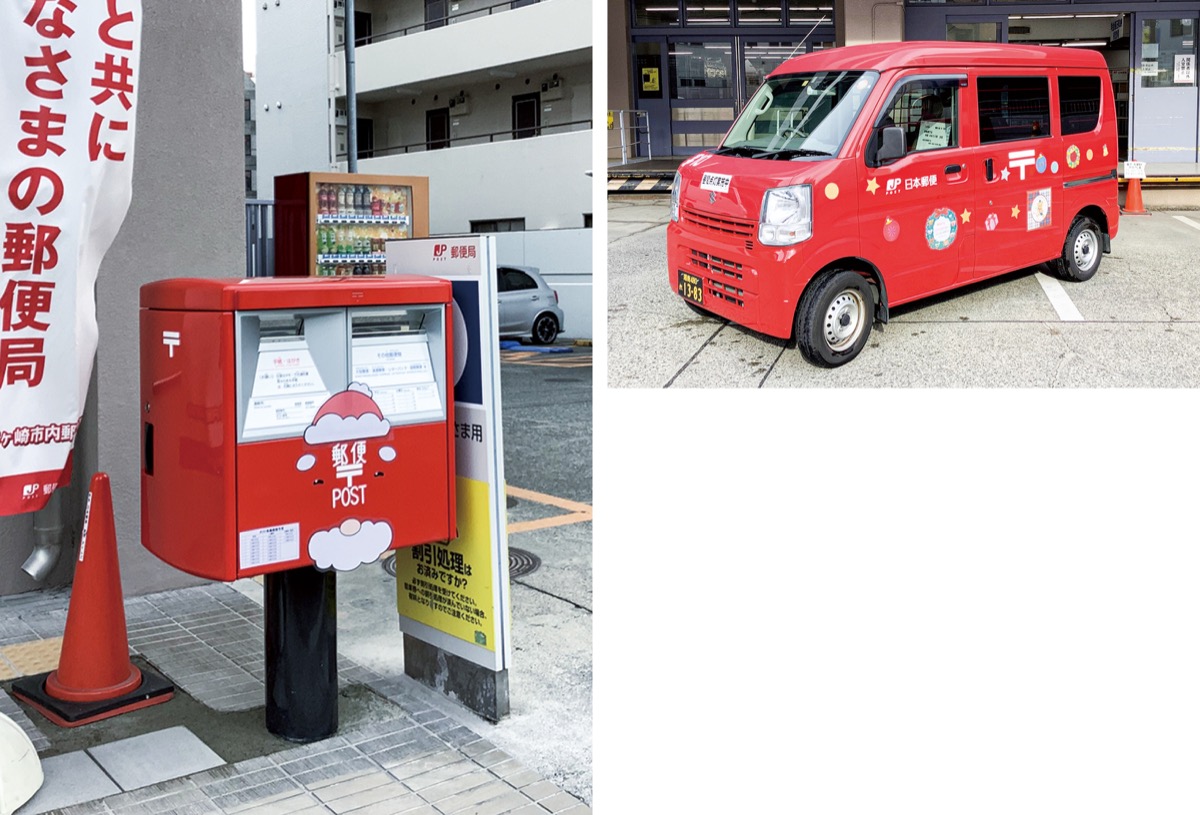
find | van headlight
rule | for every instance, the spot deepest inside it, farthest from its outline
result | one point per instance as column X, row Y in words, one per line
column 786, row 216
column 675, row 198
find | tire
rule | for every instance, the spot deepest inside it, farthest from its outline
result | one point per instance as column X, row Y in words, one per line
column 834, row 319
column 545, row 329
column 1081, row 251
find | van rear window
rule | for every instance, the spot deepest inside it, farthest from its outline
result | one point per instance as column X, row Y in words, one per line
column 1013, row 107
column 1078, row 103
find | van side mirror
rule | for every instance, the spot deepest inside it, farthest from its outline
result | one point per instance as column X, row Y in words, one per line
column 891, row 145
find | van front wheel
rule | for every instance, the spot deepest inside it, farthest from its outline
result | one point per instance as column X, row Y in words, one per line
column 834, row 319
column 1081, row 251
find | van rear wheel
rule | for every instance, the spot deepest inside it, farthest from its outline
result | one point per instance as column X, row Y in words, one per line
column 834, row 319
column 1081, row 251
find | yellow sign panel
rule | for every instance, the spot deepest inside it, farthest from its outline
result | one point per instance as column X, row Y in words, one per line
column 448, row 586
column 610, row 120
column 650, row 79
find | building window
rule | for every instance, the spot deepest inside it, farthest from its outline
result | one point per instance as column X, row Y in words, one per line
column 655, row 13
column 1168, row 53
column 700, row 12
column 1013, row 107
column 701, row 70
column 498, row 225
column 587, row 220
column 810, row 12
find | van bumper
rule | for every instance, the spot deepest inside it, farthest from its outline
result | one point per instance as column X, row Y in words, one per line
column 740, row 282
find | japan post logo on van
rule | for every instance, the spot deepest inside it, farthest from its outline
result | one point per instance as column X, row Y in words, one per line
column 715, row 182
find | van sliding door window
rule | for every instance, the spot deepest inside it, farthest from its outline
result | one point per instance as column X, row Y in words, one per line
column 1078, row 103
column 1013, row 107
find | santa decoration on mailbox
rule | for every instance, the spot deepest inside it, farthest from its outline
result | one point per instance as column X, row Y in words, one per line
column 349, row 436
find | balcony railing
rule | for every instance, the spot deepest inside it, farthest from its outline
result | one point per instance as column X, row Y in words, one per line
column 483, row 138
column 462, row 16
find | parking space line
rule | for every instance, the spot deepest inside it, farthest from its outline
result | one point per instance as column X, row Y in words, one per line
column 577, row 512
column 1188, row 221
column 1058, row 298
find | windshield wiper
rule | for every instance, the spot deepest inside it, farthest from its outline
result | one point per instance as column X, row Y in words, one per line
column 791, row 152
column 748, row 152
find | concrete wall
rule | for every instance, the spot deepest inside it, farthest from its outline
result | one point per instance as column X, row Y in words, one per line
column 543, row 180
column 186, row 218
column 293, row 90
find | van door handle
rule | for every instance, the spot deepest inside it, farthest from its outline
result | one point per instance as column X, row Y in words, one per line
column 988, row 171
column 953, row 168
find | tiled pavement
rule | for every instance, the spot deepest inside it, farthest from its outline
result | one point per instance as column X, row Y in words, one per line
column 208, row 641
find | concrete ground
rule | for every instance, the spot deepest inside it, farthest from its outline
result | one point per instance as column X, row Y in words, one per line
column 401, row 747
column 1135, row 324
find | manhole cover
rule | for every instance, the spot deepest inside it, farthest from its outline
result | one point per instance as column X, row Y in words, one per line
column 521, row 563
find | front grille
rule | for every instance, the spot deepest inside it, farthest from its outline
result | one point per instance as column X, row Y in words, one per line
column 717, row 266
column 734, row 227
column 721, row 277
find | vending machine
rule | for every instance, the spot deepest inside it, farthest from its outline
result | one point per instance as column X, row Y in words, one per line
column 336, row 224
column 290, row 423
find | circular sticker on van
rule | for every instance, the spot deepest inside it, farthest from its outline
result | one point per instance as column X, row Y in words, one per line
column 1089, row 154
column 831, row 191
column 1072, row 157
column 891, row 230
column 1041, row 164
column 941, row 228
column 1054, row 166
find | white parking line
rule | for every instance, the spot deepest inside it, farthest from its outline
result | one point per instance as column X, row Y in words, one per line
column 1058, row 298
column 1187, row 221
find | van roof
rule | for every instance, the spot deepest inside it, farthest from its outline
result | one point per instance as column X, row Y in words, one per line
column 894, row 55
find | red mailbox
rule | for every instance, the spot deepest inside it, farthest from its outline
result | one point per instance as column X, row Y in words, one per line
column 295, row 422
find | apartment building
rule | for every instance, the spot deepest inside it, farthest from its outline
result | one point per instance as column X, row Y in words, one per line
column 492, row 101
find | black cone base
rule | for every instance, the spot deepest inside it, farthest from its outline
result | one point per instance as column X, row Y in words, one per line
column 154, row 690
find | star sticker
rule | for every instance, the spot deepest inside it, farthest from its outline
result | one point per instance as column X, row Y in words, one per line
column 872, row 185
column 1004, row 174
column 1016, row 211
column 966, row 216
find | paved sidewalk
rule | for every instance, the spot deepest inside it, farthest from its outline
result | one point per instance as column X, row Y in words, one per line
column 397, row 752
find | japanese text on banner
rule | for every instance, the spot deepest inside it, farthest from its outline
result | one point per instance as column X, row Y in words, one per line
column 68, row 102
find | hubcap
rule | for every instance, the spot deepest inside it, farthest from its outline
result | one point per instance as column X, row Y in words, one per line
column 1085, row 250
column 844, row 320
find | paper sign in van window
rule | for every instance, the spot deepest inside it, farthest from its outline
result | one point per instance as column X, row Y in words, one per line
column 933, row 135
column 716, row 182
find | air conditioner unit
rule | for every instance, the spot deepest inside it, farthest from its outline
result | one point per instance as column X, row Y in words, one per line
column 552, row 90
column 459, row 105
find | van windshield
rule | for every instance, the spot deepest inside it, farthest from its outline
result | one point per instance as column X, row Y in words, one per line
column 799, row 115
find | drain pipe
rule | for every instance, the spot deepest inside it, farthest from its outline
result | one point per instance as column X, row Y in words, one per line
column 48, row 535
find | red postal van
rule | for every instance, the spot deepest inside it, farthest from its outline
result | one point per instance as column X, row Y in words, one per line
column 861, row 178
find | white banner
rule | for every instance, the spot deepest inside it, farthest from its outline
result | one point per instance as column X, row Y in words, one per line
column 68, row 105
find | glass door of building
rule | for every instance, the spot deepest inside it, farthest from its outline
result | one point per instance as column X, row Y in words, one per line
column 1166, row 100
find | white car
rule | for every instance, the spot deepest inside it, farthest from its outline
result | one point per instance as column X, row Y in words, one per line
column 528, row 307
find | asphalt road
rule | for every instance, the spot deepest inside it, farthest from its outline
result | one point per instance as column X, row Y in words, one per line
column 1135, row 324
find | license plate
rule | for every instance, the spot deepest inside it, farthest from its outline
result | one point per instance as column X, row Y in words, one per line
column 691, row 288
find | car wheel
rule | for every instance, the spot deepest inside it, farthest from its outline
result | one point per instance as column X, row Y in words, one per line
column 834, row 319
column 545, row 329
column 1081, row 251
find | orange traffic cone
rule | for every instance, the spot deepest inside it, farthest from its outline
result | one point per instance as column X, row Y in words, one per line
column 1133, row 198
column 95, row 678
